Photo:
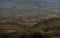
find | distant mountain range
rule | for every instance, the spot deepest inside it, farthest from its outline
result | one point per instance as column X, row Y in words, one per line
column 29, row 4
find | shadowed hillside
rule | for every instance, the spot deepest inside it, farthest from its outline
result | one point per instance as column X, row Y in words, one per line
column 49, row 28
column 48, row 22
column 44, row 29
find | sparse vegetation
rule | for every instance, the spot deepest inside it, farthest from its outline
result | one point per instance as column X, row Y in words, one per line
column 25, row 27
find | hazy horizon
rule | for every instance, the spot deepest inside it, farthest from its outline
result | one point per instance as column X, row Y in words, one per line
column 29, row 4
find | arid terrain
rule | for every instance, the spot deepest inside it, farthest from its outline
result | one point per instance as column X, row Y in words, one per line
column 23, row 26
column 29, row 18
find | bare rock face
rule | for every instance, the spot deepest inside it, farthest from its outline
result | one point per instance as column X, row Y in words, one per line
column 9, row 30
column 10, row 27
column 44, row 29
